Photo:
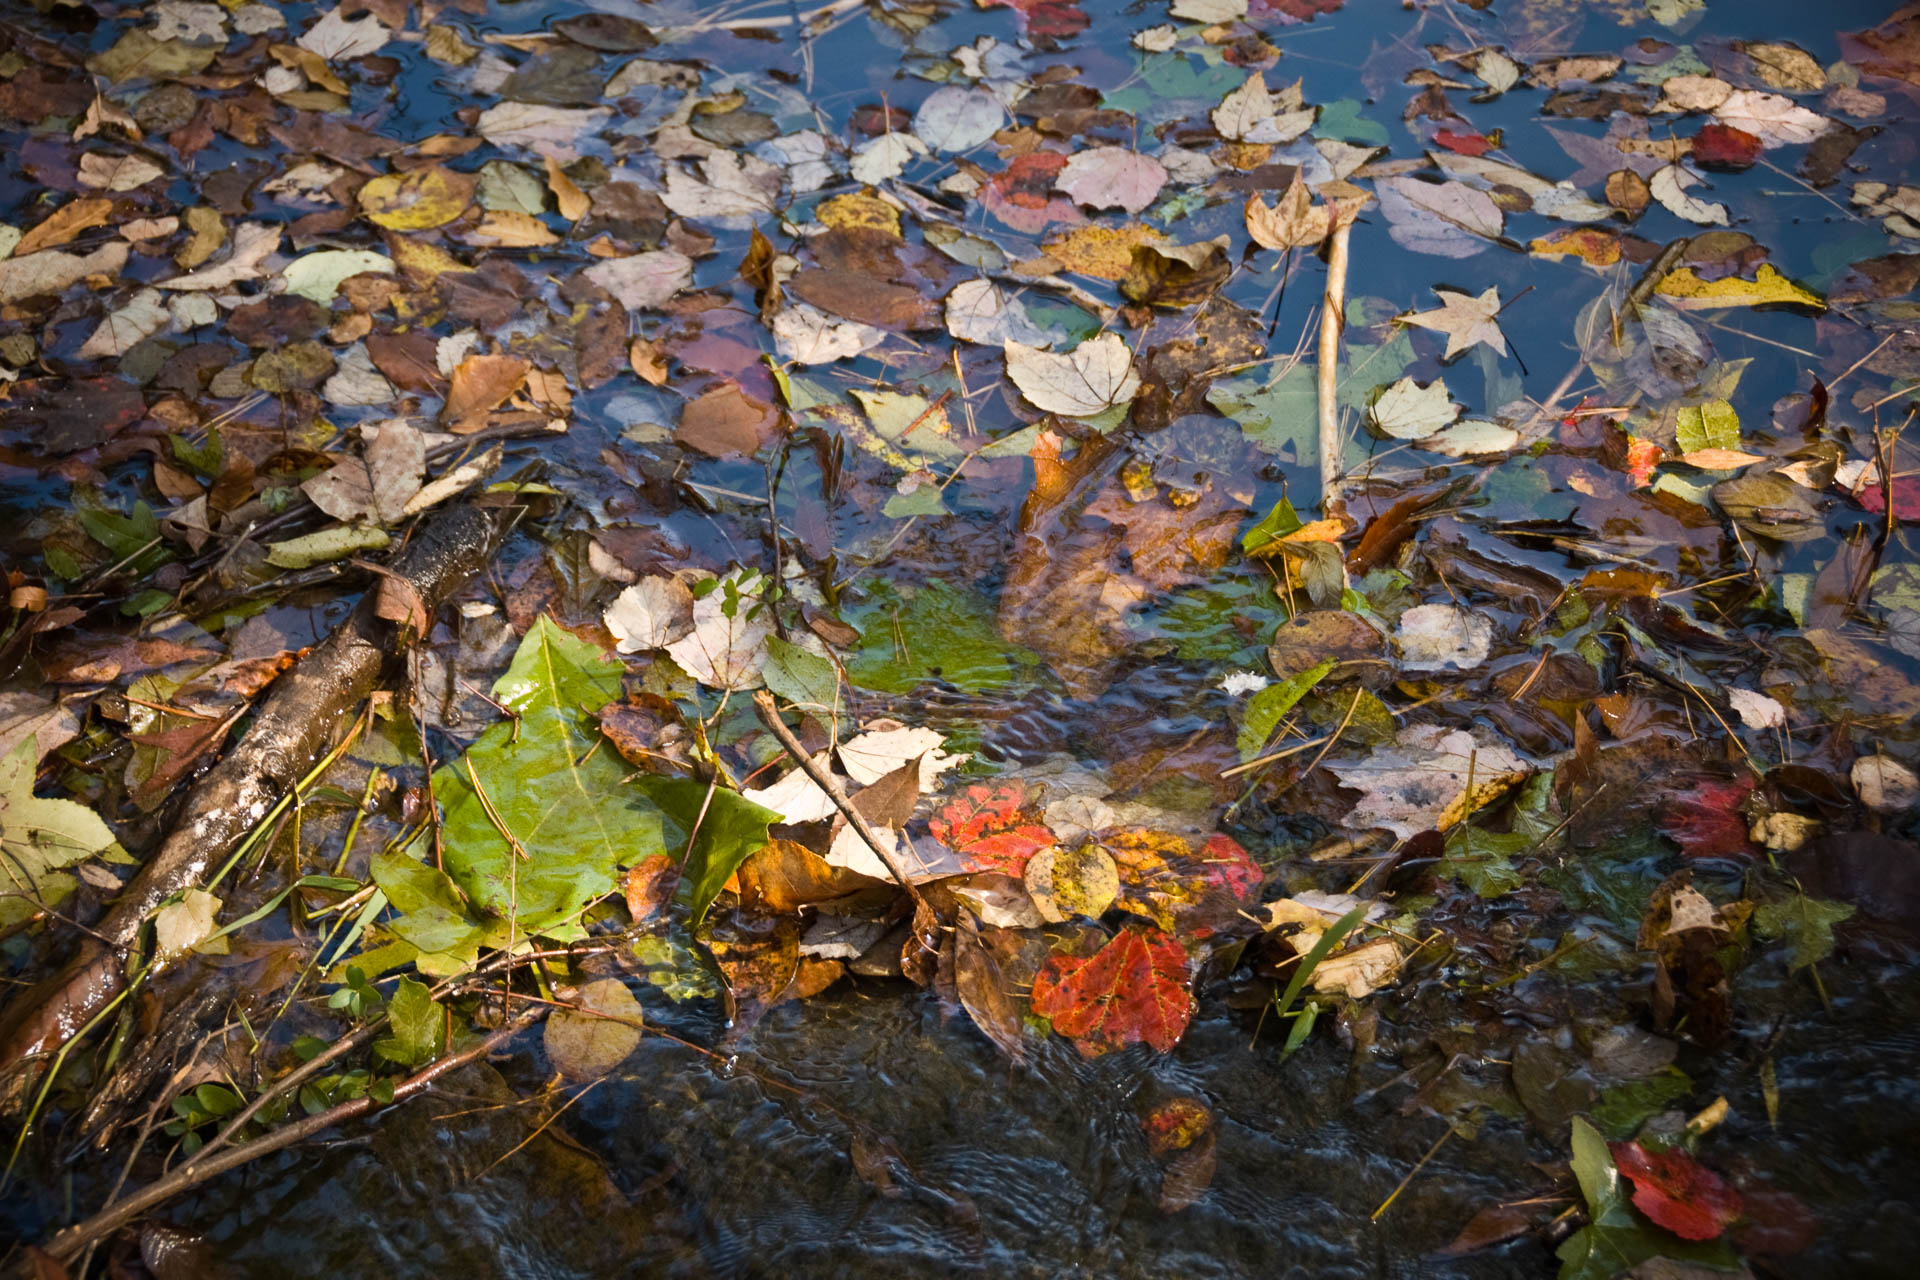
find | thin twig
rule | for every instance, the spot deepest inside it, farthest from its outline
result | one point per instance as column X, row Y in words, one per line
column 70, row 1242
column 770, row 716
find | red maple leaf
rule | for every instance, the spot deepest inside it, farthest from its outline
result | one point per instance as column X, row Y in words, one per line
column 1721, row 146
column 992, row 827
column 1467, row 144
column 1677, row 1191
column 1706, row 821
column 1022, row 195
column 1134, row 989
column 1231, row 867
column 1642, row 457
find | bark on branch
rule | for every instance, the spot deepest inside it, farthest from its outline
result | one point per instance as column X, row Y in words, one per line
column 291, row 729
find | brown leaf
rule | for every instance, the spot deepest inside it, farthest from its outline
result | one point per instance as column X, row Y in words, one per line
column 983, row 992
column 481, row 384
column 64, row 223
column 853, row 295
column 758, row 959
column 1188, row 1175
column 783, row 876
column 651, row 883
column 726, row 422
column 890, row 801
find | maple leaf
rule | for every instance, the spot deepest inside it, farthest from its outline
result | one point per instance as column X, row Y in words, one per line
column 1677, row 1191
column 1466, row 320
column 1706, row 822
column 1134, row 990
column 994, row 827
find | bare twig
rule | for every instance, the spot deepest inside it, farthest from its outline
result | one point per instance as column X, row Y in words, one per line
column 70, row 1242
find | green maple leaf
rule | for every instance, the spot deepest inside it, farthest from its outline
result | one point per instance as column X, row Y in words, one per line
column 1806, row 923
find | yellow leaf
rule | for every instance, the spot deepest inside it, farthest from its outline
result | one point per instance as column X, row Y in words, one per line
column 572, row 201
column 510, row 229
column 1105, row 252
column 415, row 201
column 1690, row 293
column 858, row 209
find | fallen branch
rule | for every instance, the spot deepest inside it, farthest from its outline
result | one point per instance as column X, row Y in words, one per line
column 203, row 1167
column 291, row 729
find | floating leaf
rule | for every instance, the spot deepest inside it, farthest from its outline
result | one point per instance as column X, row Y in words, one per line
column 1466, row 320
column 1066, row 882
column 1133, row 990
column 1407, row 411
column 1689, row 292
column 1676, row 1191
column 1112, row 178
column 529, row 832
column 1805, row 922
column 1094, row 377
column 994, row 827
column 40, row 838
column 1713, row 425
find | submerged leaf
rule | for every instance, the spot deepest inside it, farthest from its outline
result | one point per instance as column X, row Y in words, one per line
column 1133, row 990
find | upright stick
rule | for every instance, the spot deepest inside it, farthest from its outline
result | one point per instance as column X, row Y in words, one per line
column 1333, row 315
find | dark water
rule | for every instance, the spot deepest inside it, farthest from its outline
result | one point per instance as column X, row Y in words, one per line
column 675, row 1167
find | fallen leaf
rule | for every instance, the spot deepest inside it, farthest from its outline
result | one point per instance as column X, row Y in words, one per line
column 1112, row 178
column 378, row 483
column 1776, row 120
column 335, row 38
column 1687, row 291
column 643, row 280
column 725, row 422
column 1669, row 186
column 1435, row 637
column 480, row 384
column 1292, row 221
column 956, row 118
column 1133, row 990
column 1251, row 114
column 144, row 315
column 1420, row 783
column 599, row 1029
column 51, row 271
column 1448, row 219
column 726, row 648
column 994, row 827
column 418, row 199
column 1097, row 375
column 1066, row 882
column 64, row 223
column 1677, row 1191
column 651, row 614
column 1407, row 411
column 1466, row 320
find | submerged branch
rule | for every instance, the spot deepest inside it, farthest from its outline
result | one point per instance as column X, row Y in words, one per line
column 292, row 728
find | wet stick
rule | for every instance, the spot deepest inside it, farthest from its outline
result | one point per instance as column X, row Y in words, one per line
column 1333, row 322
column 293, row 727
